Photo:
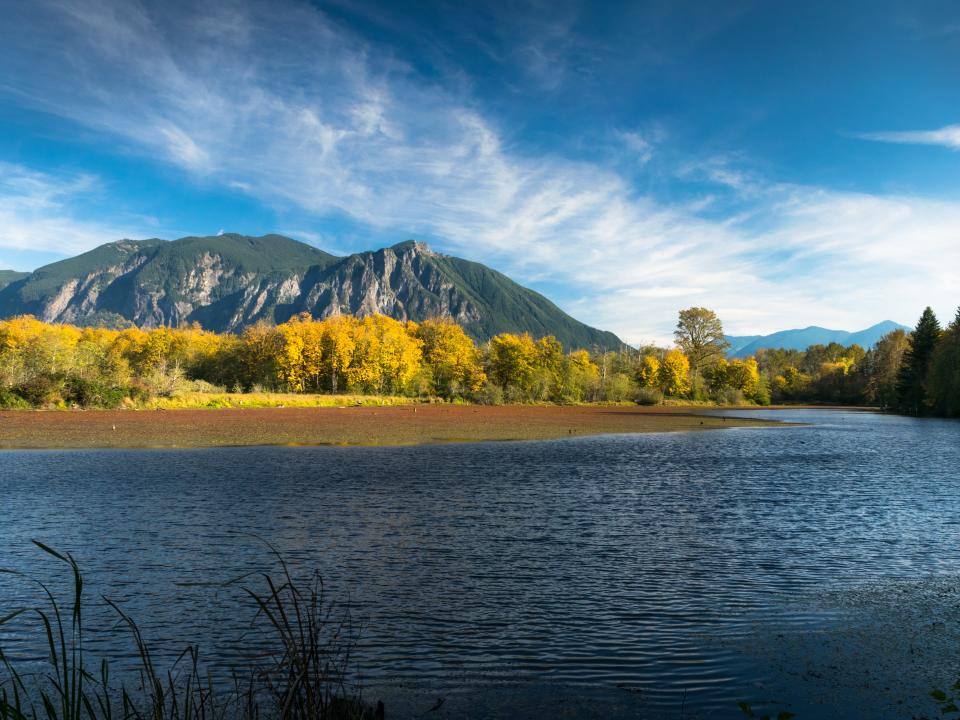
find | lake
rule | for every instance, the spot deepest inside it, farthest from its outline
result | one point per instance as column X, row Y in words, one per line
column 812, row 568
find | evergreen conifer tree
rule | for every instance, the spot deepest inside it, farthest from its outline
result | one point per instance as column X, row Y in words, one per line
column 912, row 378
column 943, row 385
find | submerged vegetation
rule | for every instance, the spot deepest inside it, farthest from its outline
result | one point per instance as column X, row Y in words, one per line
column 305, row 674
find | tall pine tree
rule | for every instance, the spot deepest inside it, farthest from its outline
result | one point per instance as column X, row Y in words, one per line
column 943, row 385
column 912, row 378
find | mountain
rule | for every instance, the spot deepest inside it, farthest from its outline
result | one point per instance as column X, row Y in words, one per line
column 227, row 282
column 9, row 276
column 739, row 341
column 745, row 346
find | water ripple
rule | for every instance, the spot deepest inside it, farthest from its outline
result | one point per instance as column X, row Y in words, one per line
column 659, row 568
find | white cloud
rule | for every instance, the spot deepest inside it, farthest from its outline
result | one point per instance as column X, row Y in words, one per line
column 285, row 105
column 948, row 137
column 640, row 147
column 39, row 214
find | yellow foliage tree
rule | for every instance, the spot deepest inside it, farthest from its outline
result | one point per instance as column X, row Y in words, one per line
column 290, row 362
column 648, row 374
column 257, row 355
column 338, row 345
column 385, row 357
column 453, row 358
column 513, row 362
column 744, row 375
column 674, row 374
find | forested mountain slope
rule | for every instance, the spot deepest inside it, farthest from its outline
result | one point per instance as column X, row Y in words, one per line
column 227, row 282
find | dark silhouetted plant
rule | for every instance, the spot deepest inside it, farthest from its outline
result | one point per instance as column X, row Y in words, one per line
column 306, row 677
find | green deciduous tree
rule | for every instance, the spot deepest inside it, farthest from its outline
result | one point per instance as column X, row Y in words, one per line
column 700, row 335
column 882, row 365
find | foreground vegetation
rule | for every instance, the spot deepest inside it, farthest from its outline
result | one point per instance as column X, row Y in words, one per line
column 305, row 674
column 305, row 668
column 348, row 361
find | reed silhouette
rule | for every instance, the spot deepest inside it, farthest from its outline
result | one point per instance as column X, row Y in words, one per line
column 304, row 675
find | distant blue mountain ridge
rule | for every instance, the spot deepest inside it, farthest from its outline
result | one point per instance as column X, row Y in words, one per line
column 742, row 346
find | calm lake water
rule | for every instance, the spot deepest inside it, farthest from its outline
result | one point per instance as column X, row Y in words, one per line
column 810, row 568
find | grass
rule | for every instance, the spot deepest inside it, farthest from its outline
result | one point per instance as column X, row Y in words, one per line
column 204, row 400
column 306, row 676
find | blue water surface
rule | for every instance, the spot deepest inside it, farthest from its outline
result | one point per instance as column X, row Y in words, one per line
column 812, row 568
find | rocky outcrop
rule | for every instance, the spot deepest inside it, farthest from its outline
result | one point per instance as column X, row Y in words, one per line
column 229, row 282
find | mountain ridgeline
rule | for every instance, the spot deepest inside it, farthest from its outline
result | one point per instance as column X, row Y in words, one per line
column 9, row 276
column 748, row 345
column 228, row 282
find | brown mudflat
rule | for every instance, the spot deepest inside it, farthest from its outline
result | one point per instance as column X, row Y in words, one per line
column 339, row 426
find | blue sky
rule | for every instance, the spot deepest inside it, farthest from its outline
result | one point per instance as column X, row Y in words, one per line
column 786, row 164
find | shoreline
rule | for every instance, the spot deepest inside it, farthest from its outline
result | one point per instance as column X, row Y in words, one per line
column 346, row 426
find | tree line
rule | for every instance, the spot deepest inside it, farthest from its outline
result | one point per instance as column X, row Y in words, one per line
column 915, row 373
column 50, row 365
column 54, row 365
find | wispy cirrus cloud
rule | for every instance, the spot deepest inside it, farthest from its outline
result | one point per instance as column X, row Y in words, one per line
column 42, row 215
column 280, row 102
column 947, row 136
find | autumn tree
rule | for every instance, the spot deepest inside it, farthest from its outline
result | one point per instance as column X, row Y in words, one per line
column 338, row 343
column 551, row 368
column 580, row 378
column 674, row 374
column 744, row 377
column 512, row 363
column 700, row 335
column 385, row 357
column 648, row 372
column 258, row 350
column 299, row 360
column 452, row 358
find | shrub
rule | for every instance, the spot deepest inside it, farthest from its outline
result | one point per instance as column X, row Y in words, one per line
column 93, row 393
column 618, row 388
column 492, row 394
column 648, row 396
column 42, row 390
column 730, row 396
column 9, row 400
column 198, row 386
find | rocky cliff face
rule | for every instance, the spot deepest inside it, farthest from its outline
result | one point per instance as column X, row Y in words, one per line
column 403, row 282
column 229, row 282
